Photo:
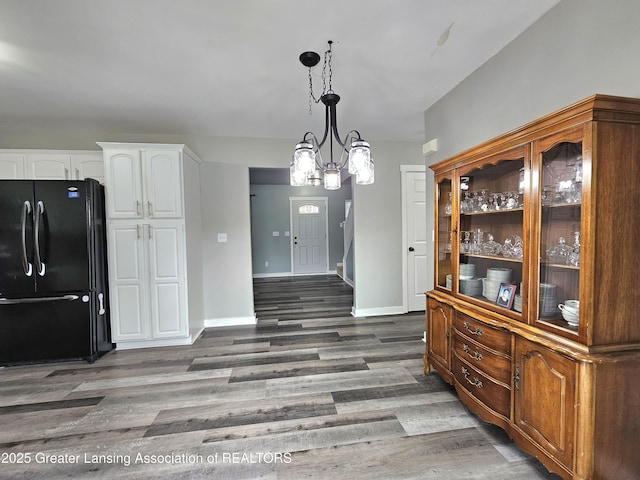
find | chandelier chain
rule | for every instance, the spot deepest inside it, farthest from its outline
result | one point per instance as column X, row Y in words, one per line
column 328, row 54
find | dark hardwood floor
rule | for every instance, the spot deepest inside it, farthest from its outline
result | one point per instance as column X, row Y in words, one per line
column 308, row 392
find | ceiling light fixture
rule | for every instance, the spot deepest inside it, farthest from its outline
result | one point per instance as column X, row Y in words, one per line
column 354, row 151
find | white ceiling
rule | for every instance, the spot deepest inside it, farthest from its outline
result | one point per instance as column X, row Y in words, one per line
column 230, row 67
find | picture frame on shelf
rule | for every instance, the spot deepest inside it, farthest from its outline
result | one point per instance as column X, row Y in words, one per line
column 506, row 294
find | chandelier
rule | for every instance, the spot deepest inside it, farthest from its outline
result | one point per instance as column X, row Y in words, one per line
column 307, row 160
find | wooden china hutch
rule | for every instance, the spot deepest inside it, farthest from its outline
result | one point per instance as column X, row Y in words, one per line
column 548, row 215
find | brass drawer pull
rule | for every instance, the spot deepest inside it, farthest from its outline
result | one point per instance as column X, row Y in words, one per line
column 476, row 355
column 467, row 327
column 475, row 382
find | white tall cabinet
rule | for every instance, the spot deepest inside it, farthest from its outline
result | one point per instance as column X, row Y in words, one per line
column 155, row 244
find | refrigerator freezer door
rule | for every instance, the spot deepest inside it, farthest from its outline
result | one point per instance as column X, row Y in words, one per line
column 61, row 239
column 59, row 329
column 16, row 238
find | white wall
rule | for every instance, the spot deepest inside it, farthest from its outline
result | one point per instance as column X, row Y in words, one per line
column 378, row 231
column 228, row 289
column 579, row 48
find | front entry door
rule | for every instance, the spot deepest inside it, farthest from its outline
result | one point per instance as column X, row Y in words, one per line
column 309, row 235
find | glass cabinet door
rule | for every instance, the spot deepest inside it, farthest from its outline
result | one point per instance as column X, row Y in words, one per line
column 491, row 239
column 444, row 227
column 560, row 213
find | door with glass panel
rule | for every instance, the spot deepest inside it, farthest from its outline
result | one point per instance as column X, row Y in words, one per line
column 559, row 162
column 492, row 245
column 445, row 235
column 309, row 235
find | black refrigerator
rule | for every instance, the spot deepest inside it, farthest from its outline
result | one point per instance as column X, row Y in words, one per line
column 53, row 271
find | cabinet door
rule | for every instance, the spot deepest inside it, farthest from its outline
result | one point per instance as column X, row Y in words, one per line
column 11, row 166
column 163, row 184
column 167, row 278
column 128, row 282
column 124, row 184
column 439, row 333
column 88, row 165
column 48, row 166
column 492, row 210
column 545, row 394
column 445, row 236
column 559, row 173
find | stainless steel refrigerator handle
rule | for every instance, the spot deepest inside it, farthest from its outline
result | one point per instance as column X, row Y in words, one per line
column 41, row 267
column 12, row 301
column 28, row 267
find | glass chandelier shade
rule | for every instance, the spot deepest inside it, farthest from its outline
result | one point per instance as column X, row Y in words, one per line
column 366, row 177
column 332, row 177
column 355, row 153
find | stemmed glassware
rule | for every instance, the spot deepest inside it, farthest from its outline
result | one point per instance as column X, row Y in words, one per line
column 574, row 256
column 466, row 245
column 476, row 246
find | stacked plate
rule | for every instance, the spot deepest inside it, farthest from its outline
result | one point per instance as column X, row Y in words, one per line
column 502, row 275
column 467, row 271
column 548, row 300
column 491, row 284
column 471, row 287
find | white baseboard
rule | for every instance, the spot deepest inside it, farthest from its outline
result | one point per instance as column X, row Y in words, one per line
column 272, row 275
column 229, row 322
column 291, row 274
column 162, row 342
column 376, row 312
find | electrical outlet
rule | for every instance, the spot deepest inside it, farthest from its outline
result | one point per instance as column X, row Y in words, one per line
column 266, row 264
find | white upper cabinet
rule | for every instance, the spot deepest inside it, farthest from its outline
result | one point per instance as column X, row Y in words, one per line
column 87, row 165
column 51, row 165
column 48, row 166
column 163, row 183
column 143, row 183
column 11, row 166
column 124, row 184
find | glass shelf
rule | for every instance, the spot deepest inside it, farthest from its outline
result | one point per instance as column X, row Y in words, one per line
column 492, row 257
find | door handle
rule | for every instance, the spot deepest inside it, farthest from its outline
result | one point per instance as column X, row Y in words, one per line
column 411, row 249
column 26, row 210
column 41, row 267
column 18, row 301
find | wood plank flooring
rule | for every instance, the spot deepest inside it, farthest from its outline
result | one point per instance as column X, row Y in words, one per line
column 308, row 392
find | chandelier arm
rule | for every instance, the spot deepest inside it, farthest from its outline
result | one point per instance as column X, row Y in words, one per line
column 310, row 136
column 326, row 127
column 334, row 123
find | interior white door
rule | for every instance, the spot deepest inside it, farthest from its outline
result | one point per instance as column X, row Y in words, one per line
column 415, row 228
column 309, row 235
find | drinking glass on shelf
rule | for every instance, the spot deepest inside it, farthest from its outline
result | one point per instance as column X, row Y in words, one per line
column 465, row 244
column 449, row 245
column 447, row 207
column 483, row 200
column 466, row 204
column 574, row 256
column 496, row 200
column 476, row 246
